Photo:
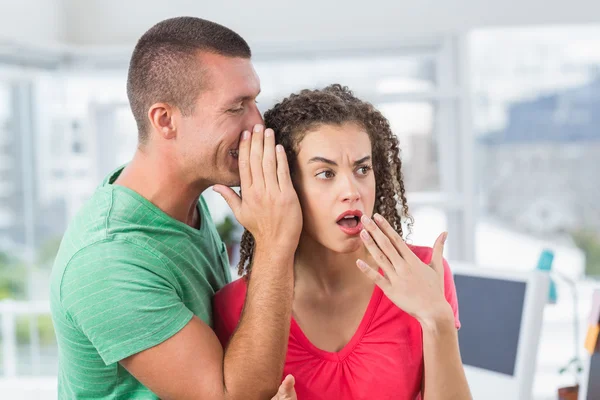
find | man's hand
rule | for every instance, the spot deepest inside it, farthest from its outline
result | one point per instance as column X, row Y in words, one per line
column 269, row 206
column 270, row 210
column 286, row 390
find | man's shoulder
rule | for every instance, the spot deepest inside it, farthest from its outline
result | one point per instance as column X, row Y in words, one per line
column 95, row 263
column 87, row 228
column 111, row 218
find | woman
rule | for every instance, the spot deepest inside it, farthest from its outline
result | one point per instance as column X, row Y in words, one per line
column 384, row 330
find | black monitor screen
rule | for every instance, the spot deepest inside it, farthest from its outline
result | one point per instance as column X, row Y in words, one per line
column 490, row 312
column 593, row 391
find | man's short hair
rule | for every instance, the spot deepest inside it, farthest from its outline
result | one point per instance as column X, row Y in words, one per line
column 165, row 66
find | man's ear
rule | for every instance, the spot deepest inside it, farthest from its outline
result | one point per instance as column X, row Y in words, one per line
column 162, row 121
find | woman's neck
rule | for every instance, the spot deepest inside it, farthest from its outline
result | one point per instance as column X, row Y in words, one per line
column 319, row 268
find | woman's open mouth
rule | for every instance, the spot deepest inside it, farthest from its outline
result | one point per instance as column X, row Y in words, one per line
column 349, row 222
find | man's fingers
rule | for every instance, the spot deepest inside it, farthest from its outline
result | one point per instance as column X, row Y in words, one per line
column 269, row 162
column 283, row 169
column 244, row 160
column 233, row 200
column 286, row 389
column 256, row 156
column 287, row 385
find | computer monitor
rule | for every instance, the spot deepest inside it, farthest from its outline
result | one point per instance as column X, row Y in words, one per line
column 590, row 384
column 501, row 314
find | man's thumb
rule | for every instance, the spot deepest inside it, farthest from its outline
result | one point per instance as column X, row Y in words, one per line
column 287, row 386
column 233, row 200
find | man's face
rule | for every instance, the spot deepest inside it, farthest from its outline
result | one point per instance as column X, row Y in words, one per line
column 207, row 140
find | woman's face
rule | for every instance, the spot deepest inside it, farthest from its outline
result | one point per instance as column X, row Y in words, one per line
column 336, row 185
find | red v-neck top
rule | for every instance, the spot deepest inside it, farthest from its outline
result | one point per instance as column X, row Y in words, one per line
column 383, row 359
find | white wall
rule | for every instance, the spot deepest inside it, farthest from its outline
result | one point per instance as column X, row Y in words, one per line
column 268, row 22
column 39, row 22
column 276, row 23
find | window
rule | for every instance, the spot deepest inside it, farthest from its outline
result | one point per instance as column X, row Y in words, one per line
column 536, row 102
column 371, row 76
column 413, row 123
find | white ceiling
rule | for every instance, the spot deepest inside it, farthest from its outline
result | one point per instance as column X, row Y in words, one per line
column 278, row 23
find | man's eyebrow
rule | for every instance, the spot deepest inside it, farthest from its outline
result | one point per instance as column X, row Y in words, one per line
column 244, row 98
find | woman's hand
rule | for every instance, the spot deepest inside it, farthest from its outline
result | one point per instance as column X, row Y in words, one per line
column 418, row 289
column 415, row 287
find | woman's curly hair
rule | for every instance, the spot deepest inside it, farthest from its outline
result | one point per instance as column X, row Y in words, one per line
column 300, row 113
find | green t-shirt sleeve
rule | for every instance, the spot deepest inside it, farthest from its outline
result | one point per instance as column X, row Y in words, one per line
column 123, row 298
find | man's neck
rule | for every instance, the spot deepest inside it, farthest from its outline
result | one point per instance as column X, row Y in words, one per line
column 158, row 180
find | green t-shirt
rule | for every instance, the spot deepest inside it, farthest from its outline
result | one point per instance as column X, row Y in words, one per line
column 126, row 278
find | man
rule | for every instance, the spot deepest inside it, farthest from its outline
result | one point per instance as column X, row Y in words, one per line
column 137, row 268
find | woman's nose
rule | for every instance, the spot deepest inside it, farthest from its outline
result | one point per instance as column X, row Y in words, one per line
column 350, row 192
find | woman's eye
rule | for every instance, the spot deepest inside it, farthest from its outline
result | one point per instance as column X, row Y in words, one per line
column 325, row 175
column 364, row 170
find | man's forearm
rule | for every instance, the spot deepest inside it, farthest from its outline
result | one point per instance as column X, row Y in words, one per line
column 254, row 359
column 444, row 373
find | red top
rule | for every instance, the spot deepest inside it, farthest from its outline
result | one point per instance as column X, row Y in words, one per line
column 383, row 360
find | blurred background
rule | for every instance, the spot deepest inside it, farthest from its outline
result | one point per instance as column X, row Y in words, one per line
column 496, row 104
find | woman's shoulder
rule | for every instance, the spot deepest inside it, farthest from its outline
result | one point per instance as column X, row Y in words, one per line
column 232, row 293
column 423, row 252
column 227, row 309
column 229, row 301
